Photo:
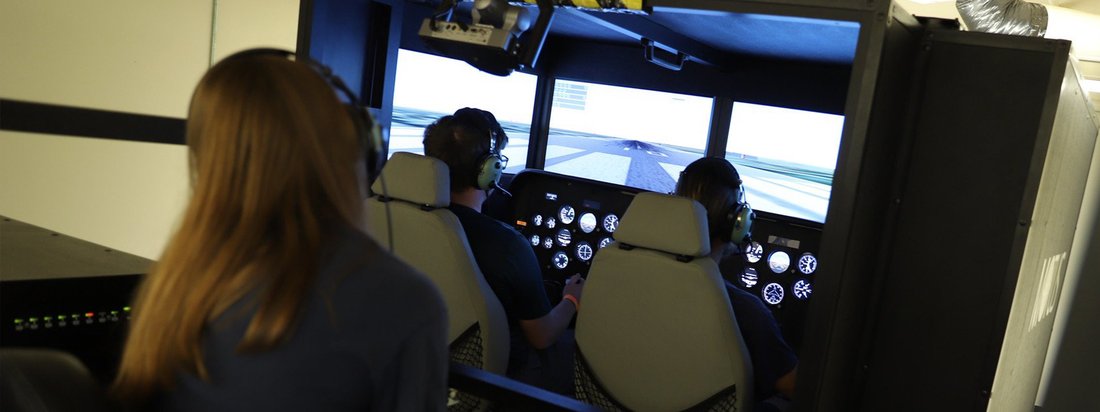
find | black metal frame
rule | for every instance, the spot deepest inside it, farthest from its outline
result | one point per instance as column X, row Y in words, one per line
column 878, row 100
column 507, row 393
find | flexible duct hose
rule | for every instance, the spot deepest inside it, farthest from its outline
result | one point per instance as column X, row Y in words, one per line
column 1004, row 16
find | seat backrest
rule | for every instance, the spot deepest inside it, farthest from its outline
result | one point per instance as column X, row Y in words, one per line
column 656, row 331
column 409, row 216
column 47, row 380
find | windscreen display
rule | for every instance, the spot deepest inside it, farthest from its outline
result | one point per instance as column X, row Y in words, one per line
column 428, row 87
column 786, row 158
column 633, row 137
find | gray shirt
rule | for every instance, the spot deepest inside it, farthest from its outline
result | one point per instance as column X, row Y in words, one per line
column 371, row 336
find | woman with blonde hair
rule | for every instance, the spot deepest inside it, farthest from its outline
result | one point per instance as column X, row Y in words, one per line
column 269, row 296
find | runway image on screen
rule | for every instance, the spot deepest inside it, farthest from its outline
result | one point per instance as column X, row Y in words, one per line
column 626, row 136
column 633, row 137
column 786, row 158
column 421, row 97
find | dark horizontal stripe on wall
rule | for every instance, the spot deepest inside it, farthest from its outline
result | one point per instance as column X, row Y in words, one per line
column 75, row 121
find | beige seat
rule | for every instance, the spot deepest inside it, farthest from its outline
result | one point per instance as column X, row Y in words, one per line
column 410, row 214
column 656, row 331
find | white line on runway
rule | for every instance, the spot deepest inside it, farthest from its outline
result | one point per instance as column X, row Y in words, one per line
column 673, row 170
column 555, row 151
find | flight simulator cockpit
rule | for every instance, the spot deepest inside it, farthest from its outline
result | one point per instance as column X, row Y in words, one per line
column 605, row 143
column 863, row 134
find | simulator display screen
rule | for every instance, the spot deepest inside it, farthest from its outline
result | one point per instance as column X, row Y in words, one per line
column 421, row 95
column 786, row 158
column 632, row 137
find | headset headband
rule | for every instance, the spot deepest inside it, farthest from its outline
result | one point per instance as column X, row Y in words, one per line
column 366, row 127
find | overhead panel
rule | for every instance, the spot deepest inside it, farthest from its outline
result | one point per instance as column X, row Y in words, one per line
column 773, row 36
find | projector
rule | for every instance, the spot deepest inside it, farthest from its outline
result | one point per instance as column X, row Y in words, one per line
column 491, row 41
column 486, row 47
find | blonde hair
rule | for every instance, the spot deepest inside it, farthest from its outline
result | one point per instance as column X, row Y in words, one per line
column 273, row 157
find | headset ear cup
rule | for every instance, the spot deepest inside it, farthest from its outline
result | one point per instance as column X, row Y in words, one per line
column 489, row 171
column 741, row 220
column 370, row 139
column 376, row 146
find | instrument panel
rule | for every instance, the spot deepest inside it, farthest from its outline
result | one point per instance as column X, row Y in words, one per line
column 568, row 220
column 779, row 267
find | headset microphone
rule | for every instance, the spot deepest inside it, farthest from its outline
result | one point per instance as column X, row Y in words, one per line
column 491, row 165
column 502, row 190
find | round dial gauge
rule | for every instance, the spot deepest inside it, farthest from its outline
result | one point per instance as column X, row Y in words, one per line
column 584, row 251
column 560, row 260
column 807, row 263
column 605, row 241
column 749, row 277
column 537, row 220
column 754, row 252
column 564, row 237
column 779, row 261
column 566, row 214
column 550, row 223
column 535, row 240
column 802, row 289
column 548, row 242
column 587, row 222
column 772, row 293
column 610, row 223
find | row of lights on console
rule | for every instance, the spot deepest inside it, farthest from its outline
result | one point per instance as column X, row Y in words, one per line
column 75, row 319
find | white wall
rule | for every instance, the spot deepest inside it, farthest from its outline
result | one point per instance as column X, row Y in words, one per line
column 1070, row 372
column 126, row 55
column 1052, row 255
column 244, row 24
column 122, row 55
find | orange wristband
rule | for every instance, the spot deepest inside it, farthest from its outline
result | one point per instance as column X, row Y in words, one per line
column 571, row 298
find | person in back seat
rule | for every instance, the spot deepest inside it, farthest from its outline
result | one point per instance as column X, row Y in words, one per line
column 269, row 296
column 470, row 142
column 715, row 184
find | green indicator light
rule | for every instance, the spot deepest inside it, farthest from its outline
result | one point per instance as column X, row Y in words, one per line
column 60, row 317
column 18, row 321
column 126, row 309
column 47, row 318
column 75, row 316
column 32, row 319
column 114, row 312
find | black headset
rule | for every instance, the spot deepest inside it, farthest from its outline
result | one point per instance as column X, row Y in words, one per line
column 366, row 127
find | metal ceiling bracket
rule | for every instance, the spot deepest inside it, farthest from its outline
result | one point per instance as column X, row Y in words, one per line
column 649, row 47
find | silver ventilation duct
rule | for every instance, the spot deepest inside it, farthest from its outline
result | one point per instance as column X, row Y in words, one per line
column 1004, row 16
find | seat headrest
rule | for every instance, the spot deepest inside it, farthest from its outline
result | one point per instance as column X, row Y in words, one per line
column 667, row 223
column 416, row 179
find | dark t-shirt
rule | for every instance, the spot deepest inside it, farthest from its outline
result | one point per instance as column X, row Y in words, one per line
column 371, row 336
column 512, row 271
column 771, row 356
